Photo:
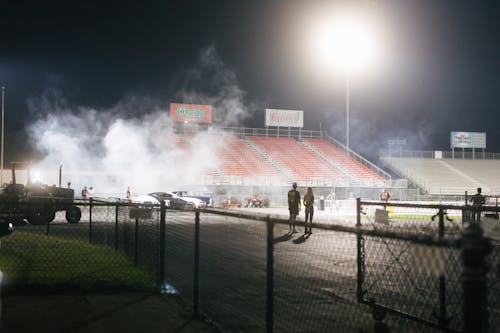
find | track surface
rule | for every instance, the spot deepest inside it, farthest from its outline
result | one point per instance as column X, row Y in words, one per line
column 315, row 276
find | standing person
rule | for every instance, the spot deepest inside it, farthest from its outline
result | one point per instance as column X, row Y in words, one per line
column 385, row 196
column 85, row 192
column 293, row 206
column 478, row 200
column 128, row 193
column 309, row 208
column 90, row 192
column 333, row 200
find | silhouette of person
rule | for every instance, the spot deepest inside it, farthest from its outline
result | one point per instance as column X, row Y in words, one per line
column 478, row 200
column 293, row 206
column 309, row 208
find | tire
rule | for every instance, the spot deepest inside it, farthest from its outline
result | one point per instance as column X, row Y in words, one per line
column 73, row 214
column 39, row 207
column 40, row 216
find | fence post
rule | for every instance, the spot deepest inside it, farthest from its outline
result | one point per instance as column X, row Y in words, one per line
column 358, row 212
column 136, row 241
column 475, row 248
column 443, row 320
column 116, row 227
column 196, row 268
column 270, row 275
column 47, row 230
column 360, row 254
column 90, row 219
column 361, row 264
column 162, row 244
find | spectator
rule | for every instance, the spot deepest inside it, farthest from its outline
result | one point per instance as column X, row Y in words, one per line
column 333, row 200
column 90, row 192
column 85, row 192
column 309, row 208
column 478, row 200
column 385, row 196
column 293, row 206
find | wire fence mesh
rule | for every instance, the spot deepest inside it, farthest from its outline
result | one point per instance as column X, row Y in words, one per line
column 107, row 250
column 397, row 267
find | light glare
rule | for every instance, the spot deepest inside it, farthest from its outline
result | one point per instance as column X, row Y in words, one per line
column 346, row 43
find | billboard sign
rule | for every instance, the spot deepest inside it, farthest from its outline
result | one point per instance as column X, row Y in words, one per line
column 468, row 140
column 284, row 118
column 193, row 113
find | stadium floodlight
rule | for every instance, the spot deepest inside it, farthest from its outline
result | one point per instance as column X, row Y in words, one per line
column 347, row 43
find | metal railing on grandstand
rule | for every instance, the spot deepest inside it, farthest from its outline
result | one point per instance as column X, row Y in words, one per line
column 457, row 154
column 388, row 267
column 189, row 129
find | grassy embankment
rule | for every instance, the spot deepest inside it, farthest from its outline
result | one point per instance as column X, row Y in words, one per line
column 31, row 261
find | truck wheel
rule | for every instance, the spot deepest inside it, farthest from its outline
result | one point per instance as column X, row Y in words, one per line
column 39, row 207
column 73, row 214
column 40, row 216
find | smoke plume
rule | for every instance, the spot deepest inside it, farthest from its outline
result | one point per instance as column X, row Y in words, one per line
column 133, row 143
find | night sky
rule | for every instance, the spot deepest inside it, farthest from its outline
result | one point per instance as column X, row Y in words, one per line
column 441, row 72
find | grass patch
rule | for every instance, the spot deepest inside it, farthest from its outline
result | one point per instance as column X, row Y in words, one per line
column 38, row 261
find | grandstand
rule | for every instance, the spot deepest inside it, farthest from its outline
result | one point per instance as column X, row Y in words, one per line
column 251, row 156
column 448, row 175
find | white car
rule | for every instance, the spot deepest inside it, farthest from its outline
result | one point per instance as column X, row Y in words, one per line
column 171, row 200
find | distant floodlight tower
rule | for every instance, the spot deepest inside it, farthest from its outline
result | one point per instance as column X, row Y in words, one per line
column 347, row 43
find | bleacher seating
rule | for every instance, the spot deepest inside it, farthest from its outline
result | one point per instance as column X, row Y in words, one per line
column 300, row 162
column 280, row 159
column 449, row 176
column 239, row 159
column 339, row 157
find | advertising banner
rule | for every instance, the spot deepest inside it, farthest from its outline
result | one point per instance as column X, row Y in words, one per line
column 193, row 113
column 284, row 118
column 468, row 140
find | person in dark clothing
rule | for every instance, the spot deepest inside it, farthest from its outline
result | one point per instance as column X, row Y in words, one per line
column 85, row 192
column 293, row 205
column 478, row 200
column 309, row 208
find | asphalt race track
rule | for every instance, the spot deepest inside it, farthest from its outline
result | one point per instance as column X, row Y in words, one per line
column 315, row 276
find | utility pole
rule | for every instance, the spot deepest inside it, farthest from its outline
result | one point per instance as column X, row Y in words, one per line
column 1, row 153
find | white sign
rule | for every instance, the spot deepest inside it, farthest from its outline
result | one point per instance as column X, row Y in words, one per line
column 467, row 140
column 284, row 118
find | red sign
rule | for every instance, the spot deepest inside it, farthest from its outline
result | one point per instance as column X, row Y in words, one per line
column 193, row 113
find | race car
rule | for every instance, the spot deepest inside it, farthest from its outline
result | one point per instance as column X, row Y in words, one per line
column 171, row 200
column 206, row 197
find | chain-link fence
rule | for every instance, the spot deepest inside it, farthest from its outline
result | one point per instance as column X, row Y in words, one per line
column 109, row 248
column 390, row 267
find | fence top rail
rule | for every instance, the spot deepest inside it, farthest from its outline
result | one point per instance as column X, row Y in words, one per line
column 493, row 208
column 361, row 230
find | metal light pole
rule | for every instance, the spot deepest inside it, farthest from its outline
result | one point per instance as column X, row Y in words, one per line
column 1, row 153
column 347, row 112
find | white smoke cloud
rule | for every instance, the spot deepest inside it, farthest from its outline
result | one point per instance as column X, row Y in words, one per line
column 212, row 82
column 132, row 143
